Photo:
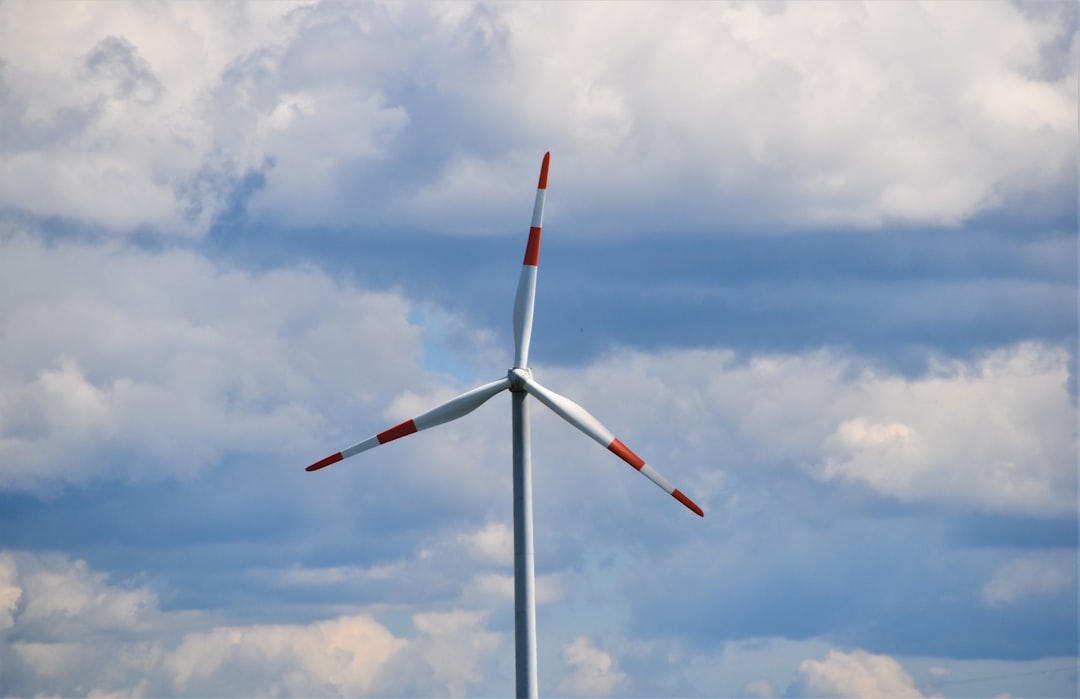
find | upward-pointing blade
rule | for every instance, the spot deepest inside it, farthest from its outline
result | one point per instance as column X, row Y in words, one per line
column 581, row 418
column 526, row 291
column 450, row 410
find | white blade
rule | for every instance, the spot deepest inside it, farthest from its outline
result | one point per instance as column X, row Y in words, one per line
column 581, row 418
column 526, row 291
column 450, row 410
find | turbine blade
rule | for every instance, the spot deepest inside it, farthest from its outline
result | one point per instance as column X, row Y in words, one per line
column 583, row 420
column 526, row 291
column 450, row 410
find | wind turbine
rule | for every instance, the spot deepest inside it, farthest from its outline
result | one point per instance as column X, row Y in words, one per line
column 521, row 384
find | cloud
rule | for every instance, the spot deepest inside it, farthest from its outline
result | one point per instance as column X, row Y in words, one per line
column 103, row 638
column 138, row 367
column 447, row 653
column 107, row 122
column 759, row 688
column 993, row 433
column 341, row 655
column 156, row 365
column 1036, row 575
column 157, row 404
column 592, row 671
column 1018, row 395
column 73, row 628
column 10, row 592
column 825, row 112
column 855, row 674
column 494, row 543
column 489, row 588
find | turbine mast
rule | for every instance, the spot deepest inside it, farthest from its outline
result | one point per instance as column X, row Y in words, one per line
column 524, row 569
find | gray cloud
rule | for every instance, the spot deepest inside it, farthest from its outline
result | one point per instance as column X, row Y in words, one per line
column 121, row 72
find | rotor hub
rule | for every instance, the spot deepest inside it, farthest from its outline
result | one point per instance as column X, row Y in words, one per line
column 518, row 378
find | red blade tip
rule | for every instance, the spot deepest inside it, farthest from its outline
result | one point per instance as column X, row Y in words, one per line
column 543, row 171
column 332, row 459
column 677, row 494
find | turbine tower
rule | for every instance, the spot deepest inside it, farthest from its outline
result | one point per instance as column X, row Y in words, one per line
column 520, row 382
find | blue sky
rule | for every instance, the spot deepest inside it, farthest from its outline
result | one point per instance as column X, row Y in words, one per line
column 817, row 263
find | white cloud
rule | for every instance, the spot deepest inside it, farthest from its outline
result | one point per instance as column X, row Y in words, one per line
column 73, row 630
column 350, row 655
column 856, row 674
column 343, row 655
column 128, row 117
column 65, row 592
column 480, row 590
column 1033, row 575
column 107, row 117
column 591, row 671
column 115, row 640
column 488, row 589
column 450, row 646
column 174, row 361
column 494, row 543
column 994, row 433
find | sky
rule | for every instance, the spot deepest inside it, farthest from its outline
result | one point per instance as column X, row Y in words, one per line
column 816, row 263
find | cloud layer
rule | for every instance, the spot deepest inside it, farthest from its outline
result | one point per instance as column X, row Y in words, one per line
column 71, row 631
column 327, row 115
column 159, row 364
column 815, row 263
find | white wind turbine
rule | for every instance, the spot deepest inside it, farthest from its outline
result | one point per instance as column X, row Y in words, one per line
column 521, row 383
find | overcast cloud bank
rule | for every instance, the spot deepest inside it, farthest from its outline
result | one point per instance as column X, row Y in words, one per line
column 236, row 237
column 688, row 112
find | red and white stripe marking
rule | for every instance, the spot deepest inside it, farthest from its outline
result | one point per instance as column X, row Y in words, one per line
column 525, row 300
column 584, row 421
column 532, row 250
column 450, row 410
column 651, row 473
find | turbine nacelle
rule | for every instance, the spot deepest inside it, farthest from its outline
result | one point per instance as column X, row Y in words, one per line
column 518, row 378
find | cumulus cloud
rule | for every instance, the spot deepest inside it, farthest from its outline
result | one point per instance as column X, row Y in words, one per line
column 592, row 672
column 826, row 112
column 105, row 120
column 125, row 356
column 942, row 448
column 489, row 588
column 106, row 639
column 855, row 674
column 341, row 655
column 995, row 432
column 75, row 631
column 447, row 653
column 494, row 543
column 170, row 361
